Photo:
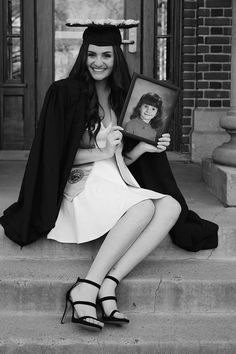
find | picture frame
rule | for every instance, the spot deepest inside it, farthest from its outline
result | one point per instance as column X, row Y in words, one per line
column 148, row 108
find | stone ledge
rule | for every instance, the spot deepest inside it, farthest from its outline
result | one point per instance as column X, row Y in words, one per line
column 14, row 155
column 22, row 155
column 147, row 334
column 178, row 286
column 207, row 133
column 221, row 181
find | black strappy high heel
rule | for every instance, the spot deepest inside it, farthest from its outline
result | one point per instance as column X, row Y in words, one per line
column 81, row 320
column 111, row 318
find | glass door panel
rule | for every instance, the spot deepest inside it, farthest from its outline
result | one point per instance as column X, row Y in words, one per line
column 68, row 39
column 164, row 39
column 13, row 38
column 167, row 53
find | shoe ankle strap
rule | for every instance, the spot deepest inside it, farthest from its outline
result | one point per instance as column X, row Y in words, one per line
column 89, row 282
column 108, row 298
column 112, row 278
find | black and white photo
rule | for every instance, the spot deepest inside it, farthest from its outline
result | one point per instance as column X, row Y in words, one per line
column 148, row 108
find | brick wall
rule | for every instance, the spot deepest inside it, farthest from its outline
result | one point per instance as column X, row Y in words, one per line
column 206, row 59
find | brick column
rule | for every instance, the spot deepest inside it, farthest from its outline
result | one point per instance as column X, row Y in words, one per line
column 214, row 47
column 226, row 153
column 206, row 74
column 190, row 74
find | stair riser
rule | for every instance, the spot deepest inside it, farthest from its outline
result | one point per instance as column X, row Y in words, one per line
column 166, row 250
column 167, row 296
column 129, row 347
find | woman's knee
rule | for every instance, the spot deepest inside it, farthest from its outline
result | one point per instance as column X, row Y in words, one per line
column 149, row 206
column 173, row 205
column 145, row 209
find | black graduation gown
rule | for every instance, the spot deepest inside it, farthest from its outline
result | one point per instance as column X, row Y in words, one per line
column 190, row 232
column 60, row 128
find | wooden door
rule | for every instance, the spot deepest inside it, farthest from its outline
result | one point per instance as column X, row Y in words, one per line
column 17, row 74
column 33, row 42
column 30, row 52
column 57, row 45
column 133, row 9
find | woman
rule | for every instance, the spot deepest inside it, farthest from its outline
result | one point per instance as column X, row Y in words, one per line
column 146, row 116
column 78, row 126
column 102, row 199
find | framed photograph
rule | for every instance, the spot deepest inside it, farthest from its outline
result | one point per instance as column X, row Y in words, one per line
column 148, row 108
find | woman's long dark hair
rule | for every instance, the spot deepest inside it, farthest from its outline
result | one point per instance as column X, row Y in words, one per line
column 152, row 99
column 118, row 81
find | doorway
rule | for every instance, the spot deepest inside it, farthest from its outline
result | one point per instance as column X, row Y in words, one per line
column 17, row 74
column 37, row 47
column 162, row 50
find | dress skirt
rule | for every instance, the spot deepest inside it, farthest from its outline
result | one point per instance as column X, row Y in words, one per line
column 101, row 201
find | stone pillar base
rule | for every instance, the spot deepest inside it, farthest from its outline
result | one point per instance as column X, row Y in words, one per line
column 221, row 180
column 207, row 133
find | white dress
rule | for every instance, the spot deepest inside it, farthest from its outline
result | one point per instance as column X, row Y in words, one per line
column 96, row 196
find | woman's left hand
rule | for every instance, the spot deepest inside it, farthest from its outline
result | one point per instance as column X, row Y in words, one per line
column 163, row 142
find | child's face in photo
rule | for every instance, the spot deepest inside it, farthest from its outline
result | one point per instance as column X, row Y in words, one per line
column 147, row 112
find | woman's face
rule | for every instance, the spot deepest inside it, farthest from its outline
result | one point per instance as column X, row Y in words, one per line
column 147, row 112
column 100, row 61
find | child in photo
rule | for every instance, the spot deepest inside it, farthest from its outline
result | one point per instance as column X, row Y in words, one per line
column 146, row 117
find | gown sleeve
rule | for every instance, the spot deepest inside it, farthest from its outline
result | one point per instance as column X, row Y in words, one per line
column 191, row 232
column 33, row 214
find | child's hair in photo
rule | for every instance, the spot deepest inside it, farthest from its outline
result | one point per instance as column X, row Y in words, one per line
column 151, row 99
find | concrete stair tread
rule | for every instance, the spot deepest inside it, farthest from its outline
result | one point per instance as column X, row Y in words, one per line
column 153, row 286
column 62, row 270
column 44, row 248
column 177, row 305
column 199, row 199
column 188, row 176
column 146, row 329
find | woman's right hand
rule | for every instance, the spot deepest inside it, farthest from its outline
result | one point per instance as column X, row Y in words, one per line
column 114, row 138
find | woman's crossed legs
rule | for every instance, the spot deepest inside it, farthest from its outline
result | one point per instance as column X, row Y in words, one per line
column 135, row 235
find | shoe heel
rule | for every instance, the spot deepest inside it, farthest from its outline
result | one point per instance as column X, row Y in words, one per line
column 65, row 310
column 81, row 320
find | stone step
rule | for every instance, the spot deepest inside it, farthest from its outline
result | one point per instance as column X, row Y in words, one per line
column 44, row 248
column 147, row 334
column 189, row 179
column 153, row 286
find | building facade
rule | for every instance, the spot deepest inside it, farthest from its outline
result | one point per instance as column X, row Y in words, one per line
column 184, row 42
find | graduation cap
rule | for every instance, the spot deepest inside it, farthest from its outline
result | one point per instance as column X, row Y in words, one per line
column 102, row 32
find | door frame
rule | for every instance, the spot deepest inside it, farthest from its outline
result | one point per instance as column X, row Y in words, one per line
column 148, row 58
column 142, row 61
column 40, row 31
column 22, row 90
column 44, row 10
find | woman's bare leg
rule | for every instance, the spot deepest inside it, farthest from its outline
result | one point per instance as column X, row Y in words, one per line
column 116, row 243
column 167, row 211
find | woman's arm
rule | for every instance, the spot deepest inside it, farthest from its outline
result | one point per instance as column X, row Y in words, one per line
column 143, row 147
column 91, row 155
column 94, row 154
